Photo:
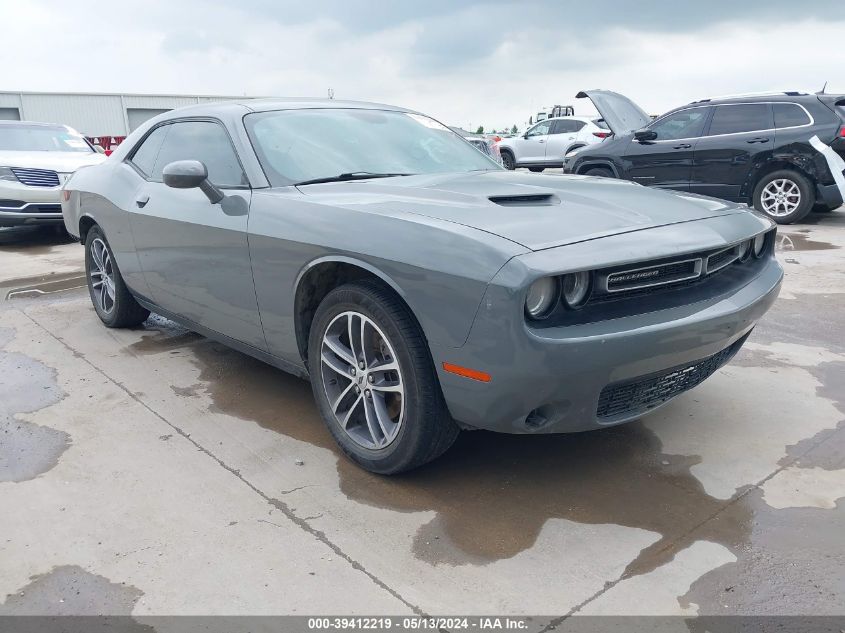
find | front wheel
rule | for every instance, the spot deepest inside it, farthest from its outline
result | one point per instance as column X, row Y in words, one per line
column 374, row 380
column 785, row 196
column 507, row 161
column 112, row 300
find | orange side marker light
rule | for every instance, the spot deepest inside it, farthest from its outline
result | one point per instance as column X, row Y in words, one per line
column 466, row 372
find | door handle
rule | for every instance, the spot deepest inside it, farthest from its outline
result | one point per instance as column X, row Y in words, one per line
column 541, row 141
column 758, row 139
column 141, row 201
column 682, row 146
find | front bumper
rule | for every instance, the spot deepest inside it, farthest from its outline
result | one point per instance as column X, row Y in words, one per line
column 23, row 205
column 583, row 376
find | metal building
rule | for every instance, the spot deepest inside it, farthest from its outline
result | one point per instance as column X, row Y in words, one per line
column 94, row 114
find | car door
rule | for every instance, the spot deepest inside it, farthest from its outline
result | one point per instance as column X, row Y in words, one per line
column 563, row 133
column 666, row 160
column 739, row 137
column 531, row 148
column 194, row 254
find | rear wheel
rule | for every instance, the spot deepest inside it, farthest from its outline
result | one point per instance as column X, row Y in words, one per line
column 602, row 172
column 785, row 196
column 374, row 381
column 508, row 161
column 112, row 300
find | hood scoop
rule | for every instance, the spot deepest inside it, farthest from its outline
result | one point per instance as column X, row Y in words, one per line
column 526, row 200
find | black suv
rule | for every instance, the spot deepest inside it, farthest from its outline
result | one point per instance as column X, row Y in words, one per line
column 784, row 153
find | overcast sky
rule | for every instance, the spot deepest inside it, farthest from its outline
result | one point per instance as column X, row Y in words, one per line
column 466, row 63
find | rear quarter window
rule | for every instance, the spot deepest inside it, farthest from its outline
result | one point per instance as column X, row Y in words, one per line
column 790, row 115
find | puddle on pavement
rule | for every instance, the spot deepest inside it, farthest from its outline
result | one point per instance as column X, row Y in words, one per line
column 26, row 385
column 799, row 241
column 794, row 562
column 491, row 493
column 71, row 590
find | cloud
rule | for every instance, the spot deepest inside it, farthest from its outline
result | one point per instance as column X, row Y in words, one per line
column 466, row 63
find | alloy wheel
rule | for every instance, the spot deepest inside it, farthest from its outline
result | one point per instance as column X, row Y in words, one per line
column 362, row 380
column 101, row 276
column 780, row 197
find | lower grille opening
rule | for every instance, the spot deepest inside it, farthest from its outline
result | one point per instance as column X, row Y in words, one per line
column 639, row 395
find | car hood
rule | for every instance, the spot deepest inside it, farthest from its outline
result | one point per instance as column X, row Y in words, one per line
column 64, row 162
column 620, row 113
column 535, row 211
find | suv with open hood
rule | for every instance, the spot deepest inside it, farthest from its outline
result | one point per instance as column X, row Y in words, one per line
column 783, row 153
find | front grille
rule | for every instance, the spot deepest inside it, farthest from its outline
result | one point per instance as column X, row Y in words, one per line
column 638, row 396
column 719, row 260
column 658, row 275
column 36, row 177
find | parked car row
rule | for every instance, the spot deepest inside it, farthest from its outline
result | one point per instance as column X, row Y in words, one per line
column 783, row 153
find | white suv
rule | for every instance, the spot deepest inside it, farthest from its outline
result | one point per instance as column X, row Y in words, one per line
column 35, row 161
column 546, row 143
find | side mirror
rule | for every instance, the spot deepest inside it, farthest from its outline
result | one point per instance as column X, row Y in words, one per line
column 645, row 135
column 190, row 174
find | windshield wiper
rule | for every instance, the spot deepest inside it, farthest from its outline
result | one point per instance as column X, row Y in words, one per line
column 352, row 175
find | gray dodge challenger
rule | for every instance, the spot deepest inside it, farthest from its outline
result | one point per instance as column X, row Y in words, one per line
column 420, row 286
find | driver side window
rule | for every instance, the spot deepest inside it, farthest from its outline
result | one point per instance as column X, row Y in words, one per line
column 683, row 124
column 541, row 129
column 205, row 141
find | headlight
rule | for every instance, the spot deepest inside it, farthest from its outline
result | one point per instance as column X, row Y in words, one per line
column 759, row 244
column 576, row 287
column 7, row 174
column 744, row 250
column 541, row 298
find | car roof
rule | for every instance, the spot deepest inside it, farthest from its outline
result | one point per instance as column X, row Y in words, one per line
column 756, row 97
column 277, row 103
column 40, row 123
column 587, row 119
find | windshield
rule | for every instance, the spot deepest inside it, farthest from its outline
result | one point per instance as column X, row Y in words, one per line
column 299, row 145
column 41, row 138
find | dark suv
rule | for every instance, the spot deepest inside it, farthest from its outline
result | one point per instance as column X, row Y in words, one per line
column 784, row 153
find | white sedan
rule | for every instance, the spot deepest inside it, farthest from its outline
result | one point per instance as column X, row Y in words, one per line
column 547, row 143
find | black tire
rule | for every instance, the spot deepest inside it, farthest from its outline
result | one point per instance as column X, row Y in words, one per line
column 805, row 187
column 507, row 160
column 125, row 311
column 426, row 429
column 602, row 172
column 536, row 169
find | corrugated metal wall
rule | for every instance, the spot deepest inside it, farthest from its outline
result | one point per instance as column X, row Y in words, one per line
column 95, row 114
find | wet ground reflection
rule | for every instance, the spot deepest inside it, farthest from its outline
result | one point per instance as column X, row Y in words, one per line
column 491, row 493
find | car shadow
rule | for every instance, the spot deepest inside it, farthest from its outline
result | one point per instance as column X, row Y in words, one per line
column 36, row 240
